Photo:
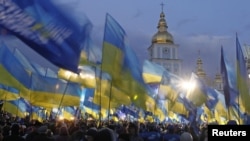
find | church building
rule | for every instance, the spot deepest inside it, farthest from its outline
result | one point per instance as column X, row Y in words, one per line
column 163, row 50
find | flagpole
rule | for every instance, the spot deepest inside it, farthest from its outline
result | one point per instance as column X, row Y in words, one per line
column 5, row 100
column 110, row 92
column 17, row 107
column 239, row 108
column 95, row 84
column 100, row 81
column 60, row 104
column 98, row 90
column 14, row 50
column 238, row 77
column 158, row 91
column 31, row 116
column 238, row 80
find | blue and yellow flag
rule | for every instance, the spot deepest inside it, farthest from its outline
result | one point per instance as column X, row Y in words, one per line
column 19, row 107
column 152, row 72
column 48, row 29
column 52, row 92
column 123, row 65
column 229, row 80
column 88, row 99
column 107, row 95
column 242, row 79
column 87, row 76
column 212, row 97
column 221, row 107
column 38, row 113
column 114, row 44
column 169, row 86
column 179, row 106
column 13, row 73
column 8, row 93
column 69, row 112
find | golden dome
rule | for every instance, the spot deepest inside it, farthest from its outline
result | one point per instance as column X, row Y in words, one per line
column 162, row 36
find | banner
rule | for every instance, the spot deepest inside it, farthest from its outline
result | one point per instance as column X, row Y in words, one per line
column 47, row 29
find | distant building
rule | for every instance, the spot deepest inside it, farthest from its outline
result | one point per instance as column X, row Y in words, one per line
column 247, row 53
column 218, row 83
column 215, row 83
column 163, row 51
column 199, row 69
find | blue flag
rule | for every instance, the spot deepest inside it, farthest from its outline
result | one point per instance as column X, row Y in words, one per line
column 47, row 29
column 88, row 99
column 212, row 97
column 228, row 77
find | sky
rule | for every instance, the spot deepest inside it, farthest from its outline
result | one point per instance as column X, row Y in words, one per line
column 199, row 27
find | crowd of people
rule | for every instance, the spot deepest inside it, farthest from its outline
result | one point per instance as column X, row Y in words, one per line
column 15, row 129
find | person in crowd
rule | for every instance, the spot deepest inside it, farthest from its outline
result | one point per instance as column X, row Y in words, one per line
column 105, row 134
column 79, row 135
column 6, row 130
column 14, row 135
column 133, row 132
column 42, row 134
column 203, row 134
column 123, row 137
column 171, row 134
column 90, row 134
column 186, row 136
column 63, row 134
column 1, row 134
column 32, row 132
column 232, row 122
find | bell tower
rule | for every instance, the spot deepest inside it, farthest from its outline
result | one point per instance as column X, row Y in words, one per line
column 163, row 50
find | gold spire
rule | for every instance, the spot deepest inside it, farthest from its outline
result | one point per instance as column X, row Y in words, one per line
column 218, row 77
column 162, row 36
column 199, row 70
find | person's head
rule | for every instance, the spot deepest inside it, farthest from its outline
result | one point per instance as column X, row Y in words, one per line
column 232, row 122
column 171, row 129
column 105, row 134
column 63, row 131
column 6, row 130
column 123, row 137
column 49, row 133
column 42, row 129
column 132, row 128
column 185, row 136
column 15, row 129
column 90, row 134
